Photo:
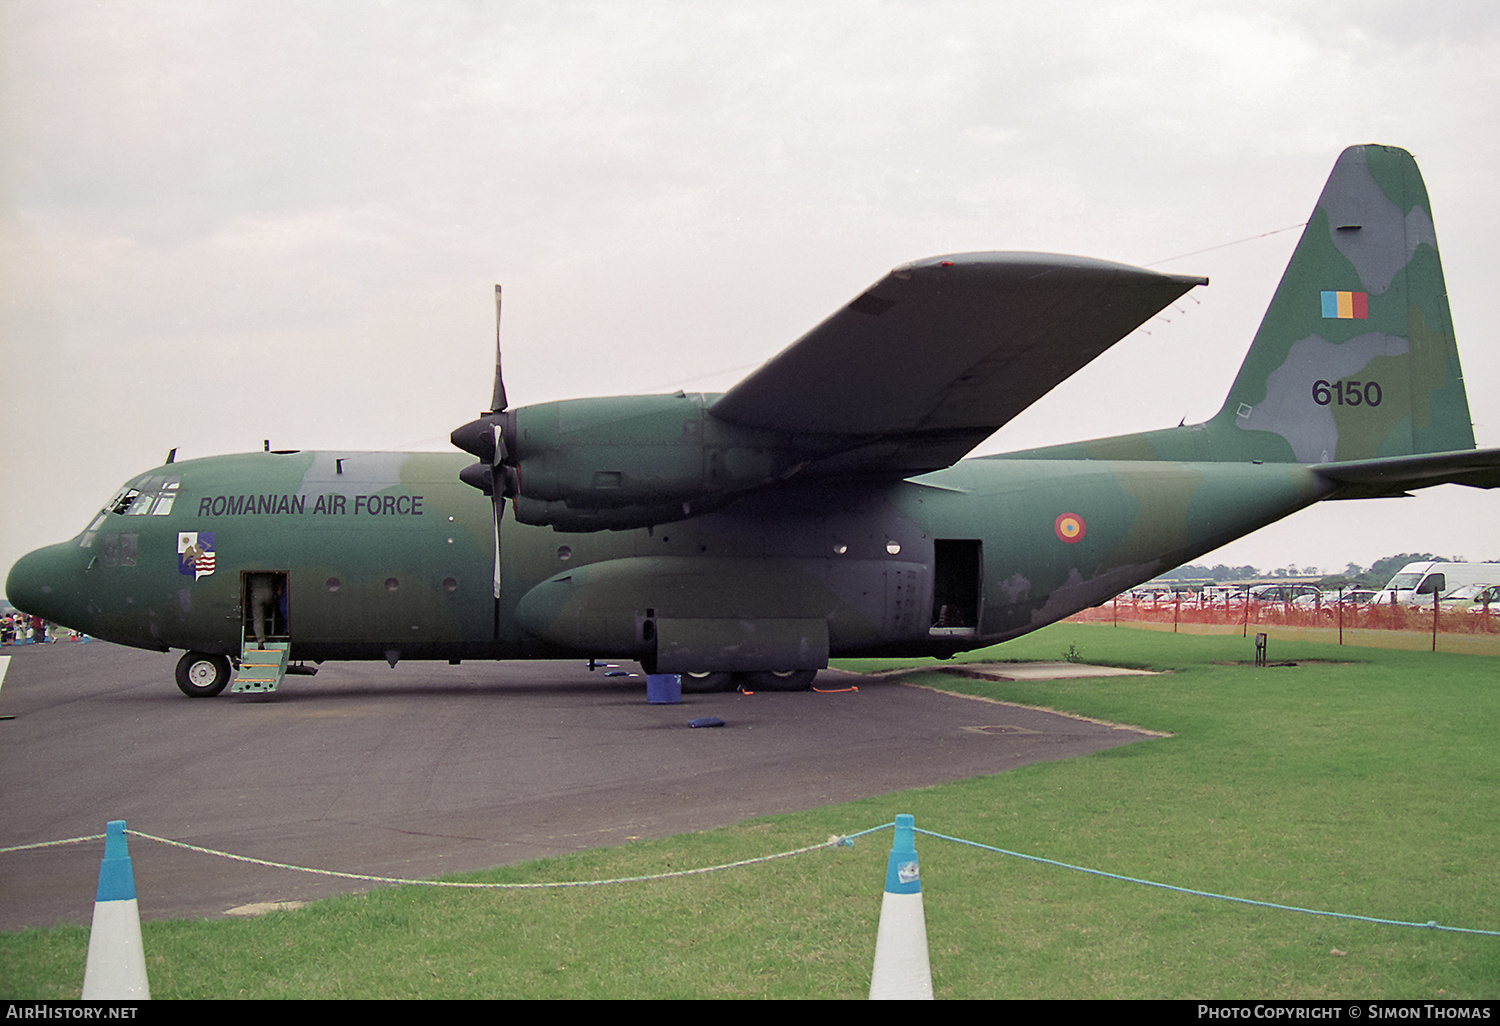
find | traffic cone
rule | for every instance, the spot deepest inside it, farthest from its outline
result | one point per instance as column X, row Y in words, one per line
column 116, row 966
column 902, row 971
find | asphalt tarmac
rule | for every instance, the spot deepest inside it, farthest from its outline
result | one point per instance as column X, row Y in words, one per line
column 428, row 769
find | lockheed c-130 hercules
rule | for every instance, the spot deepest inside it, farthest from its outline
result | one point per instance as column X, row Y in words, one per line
column 819, row 508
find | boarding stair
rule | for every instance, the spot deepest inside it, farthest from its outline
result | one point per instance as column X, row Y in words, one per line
column 262, row 665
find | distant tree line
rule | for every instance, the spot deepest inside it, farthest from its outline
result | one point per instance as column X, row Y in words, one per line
column 1381, row 571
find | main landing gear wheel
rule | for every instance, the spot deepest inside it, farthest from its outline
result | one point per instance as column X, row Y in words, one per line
column 765, row 680
column 780, row 680
column 707, row 683
column 202, row 676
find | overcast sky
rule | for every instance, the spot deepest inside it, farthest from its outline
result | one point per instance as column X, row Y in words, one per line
column 224, row 222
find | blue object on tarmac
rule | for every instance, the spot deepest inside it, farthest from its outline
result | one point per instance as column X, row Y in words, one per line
column 663, row 689
column 706, row 721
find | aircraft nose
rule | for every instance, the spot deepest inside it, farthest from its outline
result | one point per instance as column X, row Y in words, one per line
column 47, row 583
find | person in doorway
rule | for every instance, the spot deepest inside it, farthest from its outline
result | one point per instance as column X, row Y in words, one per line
column 262, row 588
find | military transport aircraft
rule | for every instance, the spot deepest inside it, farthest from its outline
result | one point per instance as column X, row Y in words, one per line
column 819, row 508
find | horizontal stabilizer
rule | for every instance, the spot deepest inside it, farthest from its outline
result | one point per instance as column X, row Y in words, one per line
column 1368, row 479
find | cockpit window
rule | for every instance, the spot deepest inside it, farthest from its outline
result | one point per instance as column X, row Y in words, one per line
column 122, row 501
column 145, row 496
column 165, row 498
column 88, row 535
column 154, row 495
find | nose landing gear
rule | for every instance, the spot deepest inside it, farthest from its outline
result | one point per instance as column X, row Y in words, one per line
column 200, row 675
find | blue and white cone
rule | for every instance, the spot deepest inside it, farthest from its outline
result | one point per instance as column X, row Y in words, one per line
column 116, row 966
column 902, row 971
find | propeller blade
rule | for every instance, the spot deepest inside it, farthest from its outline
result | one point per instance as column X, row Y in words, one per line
column 497, row 403
column 500, row 450
column 500, row 510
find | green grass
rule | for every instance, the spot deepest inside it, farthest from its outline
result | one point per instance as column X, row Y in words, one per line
column 1366, row 783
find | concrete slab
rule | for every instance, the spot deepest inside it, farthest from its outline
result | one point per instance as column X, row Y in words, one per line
column 1040, row 671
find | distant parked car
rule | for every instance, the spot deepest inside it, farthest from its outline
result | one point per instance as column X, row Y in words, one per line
column 1217, row 593
column 1275, row 602
column 1286, row 593
column 1460, row 597
column 1456, row 598
column 1486, row 599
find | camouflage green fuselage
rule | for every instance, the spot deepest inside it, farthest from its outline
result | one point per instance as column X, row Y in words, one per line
column 781, row 531
column 390, row 552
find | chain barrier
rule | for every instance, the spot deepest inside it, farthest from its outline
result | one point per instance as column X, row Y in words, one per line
column 839, row 841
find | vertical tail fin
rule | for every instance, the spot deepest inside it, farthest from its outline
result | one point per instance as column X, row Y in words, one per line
column 1355, row 358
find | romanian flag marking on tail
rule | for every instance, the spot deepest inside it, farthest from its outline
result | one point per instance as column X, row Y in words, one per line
column 1346, row 305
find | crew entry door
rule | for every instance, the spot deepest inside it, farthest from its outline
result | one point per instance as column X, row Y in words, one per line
column 265, row 606
column 957, row 588
column 265, row 630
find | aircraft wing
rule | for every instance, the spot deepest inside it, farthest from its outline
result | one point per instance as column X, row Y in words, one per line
column 1369, row 479
column 937, row 355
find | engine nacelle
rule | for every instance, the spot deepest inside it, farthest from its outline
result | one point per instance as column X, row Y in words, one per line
column 623, row 462
column 610, row 453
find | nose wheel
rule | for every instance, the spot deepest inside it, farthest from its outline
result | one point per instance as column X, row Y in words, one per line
column 200, row 675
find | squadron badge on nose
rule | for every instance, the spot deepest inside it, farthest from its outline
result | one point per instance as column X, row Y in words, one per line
column 195, row 553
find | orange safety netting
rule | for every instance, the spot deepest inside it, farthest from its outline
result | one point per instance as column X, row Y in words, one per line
column 1238, row 611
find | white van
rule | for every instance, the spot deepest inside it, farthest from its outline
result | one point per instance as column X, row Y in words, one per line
column 1417, row 582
